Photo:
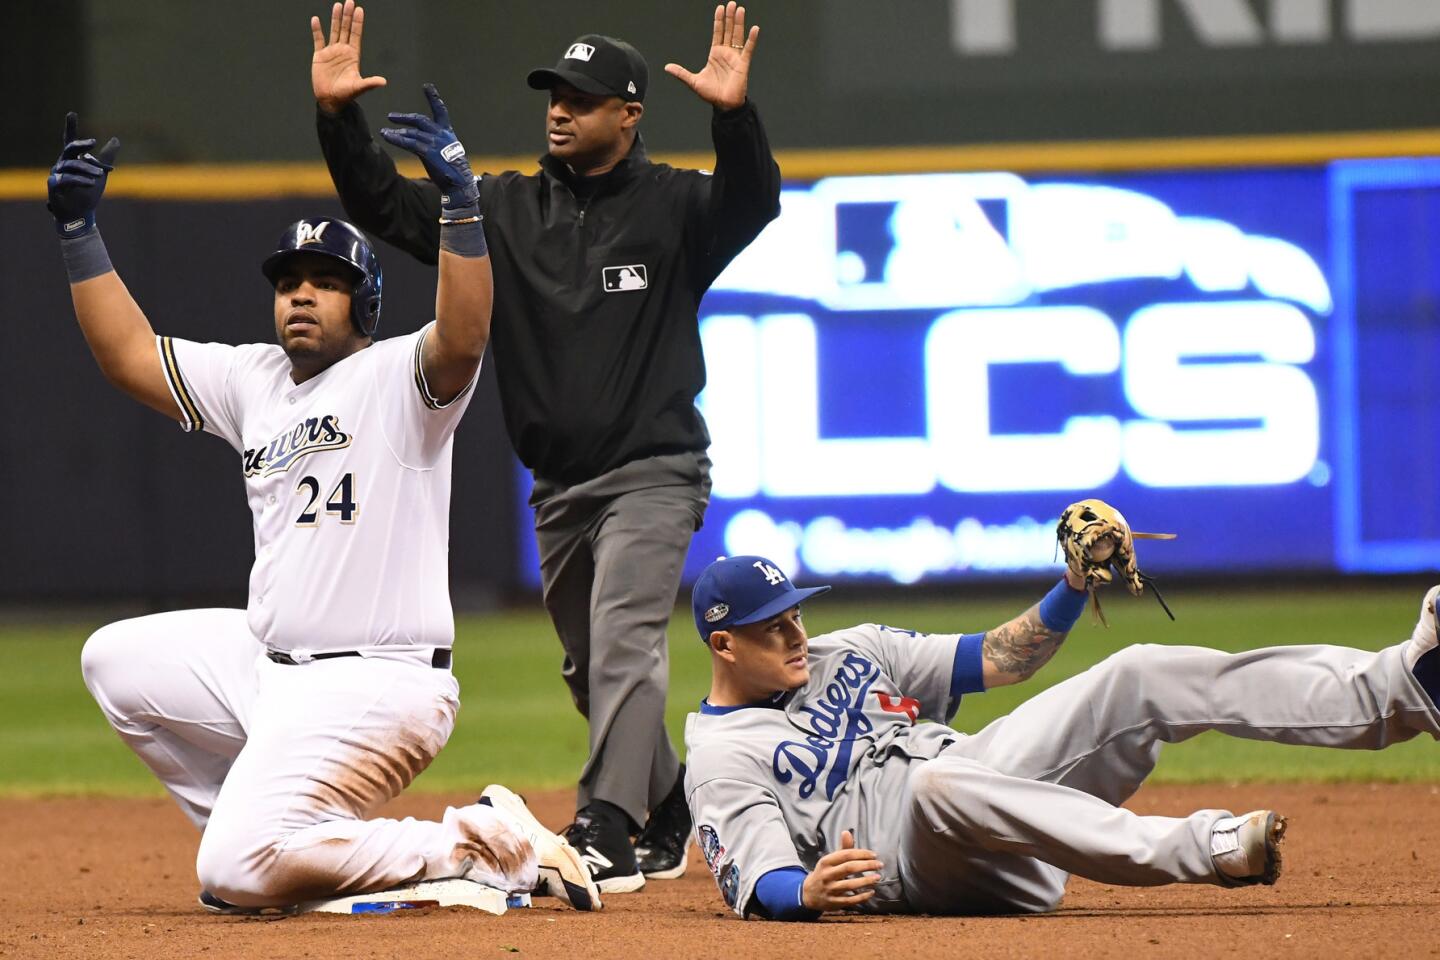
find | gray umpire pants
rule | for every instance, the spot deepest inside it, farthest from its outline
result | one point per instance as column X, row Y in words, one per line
column 611, row 554
column 999, row 820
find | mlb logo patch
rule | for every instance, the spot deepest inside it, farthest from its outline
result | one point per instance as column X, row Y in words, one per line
column 629, row 277
column 580, row 51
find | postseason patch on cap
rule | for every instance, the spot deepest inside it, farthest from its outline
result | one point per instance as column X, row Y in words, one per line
column 717, row 613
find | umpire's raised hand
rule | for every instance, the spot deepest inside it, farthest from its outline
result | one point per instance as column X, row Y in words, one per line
column 725, row 79
column 335, row 67
column 77, row 180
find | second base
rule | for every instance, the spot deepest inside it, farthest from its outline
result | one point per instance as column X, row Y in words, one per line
column 428, row 893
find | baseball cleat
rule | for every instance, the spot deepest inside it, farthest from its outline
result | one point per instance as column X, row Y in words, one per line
column 1423, row 637
column 214, row 904
column 608, row 853
column 660, row 850
column 1246, row 849
column 563, row 873
column 661, row 858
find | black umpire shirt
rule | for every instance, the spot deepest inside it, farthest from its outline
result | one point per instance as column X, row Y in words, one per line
column 597, row 283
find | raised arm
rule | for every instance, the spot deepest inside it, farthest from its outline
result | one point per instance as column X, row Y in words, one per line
column 725, row 78
column 119, row 335
column 335, row 66
column 1098, row 545
column 376, row 198
column 733, row 206
column 1016, row 649
column 464, row 293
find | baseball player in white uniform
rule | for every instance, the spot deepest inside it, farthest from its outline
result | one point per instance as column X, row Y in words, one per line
column 815, row 788
column 280, row 728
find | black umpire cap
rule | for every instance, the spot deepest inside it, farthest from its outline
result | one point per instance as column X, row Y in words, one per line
column 597, row 64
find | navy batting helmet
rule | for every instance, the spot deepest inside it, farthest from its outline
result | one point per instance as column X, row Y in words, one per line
column 339, row 241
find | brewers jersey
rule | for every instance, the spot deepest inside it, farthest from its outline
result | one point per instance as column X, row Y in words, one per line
column 348, row 480
column 773, row 785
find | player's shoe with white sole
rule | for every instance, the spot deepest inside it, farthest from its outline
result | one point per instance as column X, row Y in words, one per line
column 563, row 873
column 1246, row 849
column 608, row 853
column 661, row 849
column 1423, row 637
column 1419, row 652
column 214, row 904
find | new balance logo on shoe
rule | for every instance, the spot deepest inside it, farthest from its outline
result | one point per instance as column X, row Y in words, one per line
column 596, row 861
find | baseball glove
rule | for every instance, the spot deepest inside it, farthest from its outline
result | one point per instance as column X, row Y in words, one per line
column 1098, row 544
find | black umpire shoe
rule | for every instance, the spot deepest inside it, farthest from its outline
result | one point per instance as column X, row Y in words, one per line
column 660, row 850
column 604, row 844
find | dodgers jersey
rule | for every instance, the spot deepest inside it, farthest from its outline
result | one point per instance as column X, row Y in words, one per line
column 348, row 480
column 773, row 785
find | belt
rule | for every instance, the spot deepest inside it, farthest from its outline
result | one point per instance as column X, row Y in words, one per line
column 440, row 659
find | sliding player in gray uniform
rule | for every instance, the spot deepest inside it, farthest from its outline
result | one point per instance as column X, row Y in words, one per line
column 279, row 729
column 814, row 788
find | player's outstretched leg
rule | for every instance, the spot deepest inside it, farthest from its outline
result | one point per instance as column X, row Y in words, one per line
column 1101, row 731
column 979, row 841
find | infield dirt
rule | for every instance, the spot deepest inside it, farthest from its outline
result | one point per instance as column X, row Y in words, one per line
column 114, row 878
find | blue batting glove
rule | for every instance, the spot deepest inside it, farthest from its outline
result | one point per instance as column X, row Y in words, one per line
column 435, row 143
column 77, row 180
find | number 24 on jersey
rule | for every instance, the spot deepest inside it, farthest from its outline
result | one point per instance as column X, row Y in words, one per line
column 340, row 502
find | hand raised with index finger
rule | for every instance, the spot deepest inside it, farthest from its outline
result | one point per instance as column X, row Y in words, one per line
column 434, row 141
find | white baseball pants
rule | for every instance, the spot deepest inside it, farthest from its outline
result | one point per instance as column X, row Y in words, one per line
column 279, row 764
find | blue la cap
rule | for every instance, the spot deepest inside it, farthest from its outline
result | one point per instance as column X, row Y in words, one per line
column 734, row 591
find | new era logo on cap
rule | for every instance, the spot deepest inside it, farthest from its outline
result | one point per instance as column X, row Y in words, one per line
column 580, row 51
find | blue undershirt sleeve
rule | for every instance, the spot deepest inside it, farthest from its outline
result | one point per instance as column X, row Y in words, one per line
column 967, row 675
column 779, row 894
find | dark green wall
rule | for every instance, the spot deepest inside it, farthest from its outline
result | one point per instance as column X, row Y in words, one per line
column 184, row 81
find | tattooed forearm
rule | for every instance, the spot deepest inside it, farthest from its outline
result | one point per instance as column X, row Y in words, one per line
column 1018, row 648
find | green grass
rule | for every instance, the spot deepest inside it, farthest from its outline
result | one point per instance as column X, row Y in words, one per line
column 518, row 726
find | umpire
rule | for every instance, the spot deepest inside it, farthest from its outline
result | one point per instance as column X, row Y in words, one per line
column 600, row 261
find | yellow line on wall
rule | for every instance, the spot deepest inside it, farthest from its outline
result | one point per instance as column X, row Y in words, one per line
column 254, row 181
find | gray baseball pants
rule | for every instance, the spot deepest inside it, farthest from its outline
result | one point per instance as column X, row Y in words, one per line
column 999, row 820
column 611, row 554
